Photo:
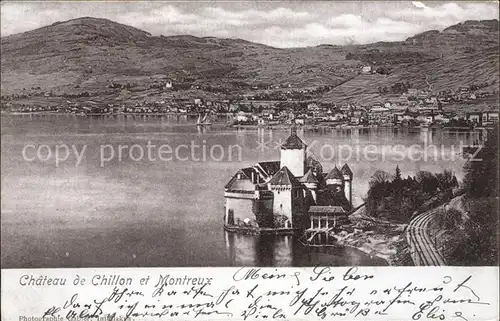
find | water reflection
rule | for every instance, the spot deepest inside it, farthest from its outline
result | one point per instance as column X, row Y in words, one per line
column 264, row 250
column 286, row 250
column 203, row 129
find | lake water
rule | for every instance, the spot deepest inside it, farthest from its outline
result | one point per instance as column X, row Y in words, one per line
column 104, row 211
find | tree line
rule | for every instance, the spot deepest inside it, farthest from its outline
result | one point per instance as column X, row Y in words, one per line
column 395, row 198
column 477, row 232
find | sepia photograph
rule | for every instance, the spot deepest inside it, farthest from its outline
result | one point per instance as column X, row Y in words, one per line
column 249, row 134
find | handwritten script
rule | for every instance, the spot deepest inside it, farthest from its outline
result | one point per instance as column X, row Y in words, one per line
column 258, row 293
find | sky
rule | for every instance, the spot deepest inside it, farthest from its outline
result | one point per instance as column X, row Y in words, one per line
column 275, row 23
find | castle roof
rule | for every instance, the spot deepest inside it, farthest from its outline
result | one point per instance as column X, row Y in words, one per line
column 247, row 171
column 246, row 174
column 334, row 174
column 309, row 178
column 269, row 168
column 293, row 141
column 326, row 209
column 284, row 177
column 346, row 170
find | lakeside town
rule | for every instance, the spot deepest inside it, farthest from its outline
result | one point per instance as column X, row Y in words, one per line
column 274, row 107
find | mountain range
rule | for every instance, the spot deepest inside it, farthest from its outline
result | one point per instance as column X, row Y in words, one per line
column 89, row 53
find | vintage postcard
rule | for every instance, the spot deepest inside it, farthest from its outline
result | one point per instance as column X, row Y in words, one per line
column 249, row 160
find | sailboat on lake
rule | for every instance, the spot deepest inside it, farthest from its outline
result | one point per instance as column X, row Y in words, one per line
column 203, row 120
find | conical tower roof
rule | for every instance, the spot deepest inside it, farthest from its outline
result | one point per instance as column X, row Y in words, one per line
column 293, row 141
column 284, row 177
column 334, row 174
column 309, row 178
column 346, row 170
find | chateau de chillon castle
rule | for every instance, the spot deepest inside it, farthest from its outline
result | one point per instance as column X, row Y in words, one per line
column 288, row 195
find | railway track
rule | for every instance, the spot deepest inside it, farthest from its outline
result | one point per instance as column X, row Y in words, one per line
column 422, row 249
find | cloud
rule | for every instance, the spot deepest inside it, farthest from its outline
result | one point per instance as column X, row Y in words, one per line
column 445, row 14
column 354, row 29
column 418, row 4
column 278, row 15
column 346, row 20
column 212, row 20
column 278, row 24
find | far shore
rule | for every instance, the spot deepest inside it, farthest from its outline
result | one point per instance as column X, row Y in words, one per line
column 330, row 126
column 52, row 112
column 241, row 126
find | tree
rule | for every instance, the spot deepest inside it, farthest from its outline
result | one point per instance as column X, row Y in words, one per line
column 481, row 173
column 397, row 175
column 382, row 71
column 479, row 243
column 427, row 181
column 446, row 180
column 380, row 176
column 481, row 187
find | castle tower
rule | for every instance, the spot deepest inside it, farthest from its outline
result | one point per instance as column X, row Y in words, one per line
column 288, row 196
column 335, row 178
column 293, row 154
column 347, row 175
column 311, row 182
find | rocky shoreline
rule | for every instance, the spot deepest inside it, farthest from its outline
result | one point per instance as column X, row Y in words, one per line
column 376, row 238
